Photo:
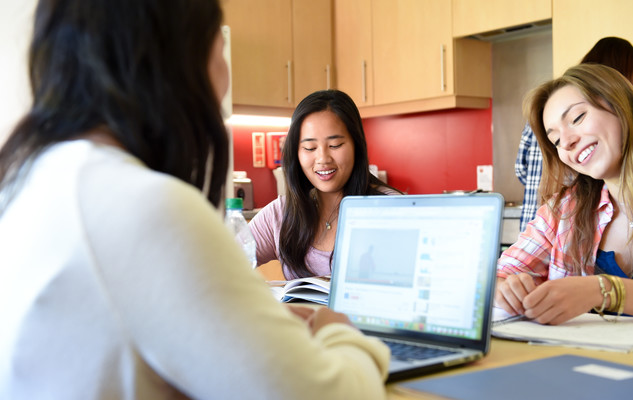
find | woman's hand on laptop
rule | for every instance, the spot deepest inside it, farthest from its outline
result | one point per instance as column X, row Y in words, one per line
column 325, row 316
column 305, row 313
column 318, row 317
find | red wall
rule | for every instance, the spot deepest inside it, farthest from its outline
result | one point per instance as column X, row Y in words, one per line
column 422, row 153
column 431, row 152
column 264, row 184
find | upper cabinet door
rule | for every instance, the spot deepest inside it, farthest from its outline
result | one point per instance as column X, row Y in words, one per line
column 261, row 51
column 312, row 46
column 413, row 51
column 476, row 16
column 578, row 24
column 353, row 49
column 281, row 51
column 399, row 56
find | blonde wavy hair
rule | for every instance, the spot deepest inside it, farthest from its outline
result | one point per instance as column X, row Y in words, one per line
column 606, row 89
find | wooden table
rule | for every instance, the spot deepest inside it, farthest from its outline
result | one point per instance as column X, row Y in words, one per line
column 271, row 271
column 502, row 352
column 506, row 352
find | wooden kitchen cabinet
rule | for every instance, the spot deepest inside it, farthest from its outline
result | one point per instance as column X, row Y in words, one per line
column 399, row 56
column 477, row 16
column 412, row 43
column 281, row 50
column 261, row 49
column 353, row 50
column 312, row 47
column 578, row 24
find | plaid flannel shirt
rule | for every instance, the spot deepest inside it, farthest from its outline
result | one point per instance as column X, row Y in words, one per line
column 528, row 168
column 542, row 247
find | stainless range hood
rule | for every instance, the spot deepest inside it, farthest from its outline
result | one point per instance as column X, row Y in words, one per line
column 515, row 32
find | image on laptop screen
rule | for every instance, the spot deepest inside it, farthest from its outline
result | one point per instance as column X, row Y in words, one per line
column 423, row 266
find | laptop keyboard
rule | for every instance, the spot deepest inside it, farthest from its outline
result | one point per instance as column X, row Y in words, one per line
column 407, row 352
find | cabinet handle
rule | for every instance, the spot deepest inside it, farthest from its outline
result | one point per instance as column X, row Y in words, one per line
column 289, row 68
column 442, row 77
column 328, row 83
column 364, row 78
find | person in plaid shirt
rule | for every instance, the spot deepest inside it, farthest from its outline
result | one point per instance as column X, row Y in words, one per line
column 527, row 167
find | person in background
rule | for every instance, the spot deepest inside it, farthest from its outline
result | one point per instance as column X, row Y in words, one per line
column 577, row 254
column 612, row 51
column 324, row 159
column 528, row 167
column 118, row 278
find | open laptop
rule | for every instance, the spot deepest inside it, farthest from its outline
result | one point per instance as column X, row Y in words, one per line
column 419, row 270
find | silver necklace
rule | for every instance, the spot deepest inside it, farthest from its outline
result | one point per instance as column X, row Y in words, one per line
column 333, row 214
column 332, row 217
column 328, row 224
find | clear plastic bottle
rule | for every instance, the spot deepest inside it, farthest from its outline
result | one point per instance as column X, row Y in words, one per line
column 236, row 222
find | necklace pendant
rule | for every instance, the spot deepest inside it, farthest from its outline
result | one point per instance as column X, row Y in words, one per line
column 328, row 226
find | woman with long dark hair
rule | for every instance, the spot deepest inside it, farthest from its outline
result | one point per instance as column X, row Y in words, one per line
column 118, row 278
column 324, row 159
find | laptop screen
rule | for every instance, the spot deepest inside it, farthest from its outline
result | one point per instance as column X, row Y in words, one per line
column 417, row 263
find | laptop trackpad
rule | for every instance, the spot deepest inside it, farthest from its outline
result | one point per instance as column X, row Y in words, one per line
column 401, row 365
column 397, row 365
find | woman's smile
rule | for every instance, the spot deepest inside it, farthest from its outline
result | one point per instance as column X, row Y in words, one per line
column 586, row 153
column 588, row 138
column 326, row 174
column 326, row 151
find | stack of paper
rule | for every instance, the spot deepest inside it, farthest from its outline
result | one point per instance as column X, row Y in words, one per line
column 588, row 331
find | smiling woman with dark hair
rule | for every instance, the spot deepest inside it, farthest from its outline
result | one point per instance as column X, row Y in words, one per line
column 118, row 278
column 324, row 159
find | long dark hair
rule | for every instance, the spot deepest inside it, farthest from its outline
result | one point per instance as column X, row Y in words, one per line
column 613, row 52
column 301, row 216
column 137, row 68
column 606, row 89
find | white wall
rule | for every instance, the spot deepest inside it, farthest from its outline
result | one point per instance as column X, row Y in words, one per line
column 16, row 19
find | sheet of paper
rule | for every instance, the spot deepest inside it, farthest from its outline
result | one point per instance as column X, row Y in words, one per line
column 584, row 331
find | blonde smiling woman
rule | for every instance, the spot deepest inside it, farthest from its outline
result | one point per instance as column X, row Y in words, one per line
column 584, row 124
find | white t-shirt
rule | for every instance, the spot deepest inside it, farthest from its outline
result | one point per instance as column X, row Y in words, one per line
column 119, row 282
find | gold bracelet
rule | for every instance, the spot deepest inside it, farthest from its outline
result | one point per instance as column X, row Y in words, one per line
column 604, row 293
column 616, row 284
column 612, row 293
column 621, row 295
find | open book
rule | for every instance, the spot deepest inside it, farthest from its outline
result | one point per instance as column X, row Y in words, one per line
column 587, row 331
column 314, row 289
